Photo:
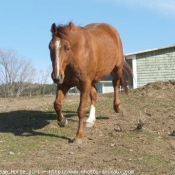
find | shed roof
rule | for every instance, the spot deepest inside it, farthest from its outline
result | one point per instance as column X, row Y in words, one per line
column 149, row 50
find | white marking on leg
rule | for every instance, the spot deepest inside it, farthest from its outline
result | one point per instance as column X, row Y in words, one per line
column 57, row 48
column 91, row 118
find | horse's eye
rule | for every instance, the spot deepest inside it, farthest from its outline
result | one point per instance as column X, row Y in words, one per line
column 67, row 48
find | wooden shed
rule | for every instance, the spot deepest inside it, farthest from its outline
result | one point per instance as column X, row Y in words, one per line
column 152, row 65
column 105, row 86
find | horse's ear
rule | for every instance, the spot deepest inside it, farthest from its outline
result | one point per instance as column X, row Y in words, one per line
column 72, row 26
column 54, row 29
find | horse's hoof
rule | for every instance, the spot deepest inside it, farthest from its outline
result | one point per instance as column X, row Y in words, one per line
column 89, row 124
column 77, row 141
column 63, row 122
column 117, row 108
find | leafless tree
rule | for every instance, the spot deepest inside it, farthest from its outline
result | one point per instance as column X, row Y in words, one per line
column 14, row 72
column 43, row 77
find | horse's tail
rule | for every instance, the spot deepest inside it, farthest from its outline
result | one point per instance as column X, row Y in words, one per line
column 127, row 75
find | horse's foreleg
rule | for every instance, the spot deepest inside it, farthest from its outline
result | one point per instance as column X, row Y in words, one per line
column 93, row 96
column 61, row 92
column 84, row 96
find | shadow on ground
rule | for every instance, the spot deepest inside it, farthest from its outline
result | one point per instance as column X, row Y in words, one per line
column 26, row 122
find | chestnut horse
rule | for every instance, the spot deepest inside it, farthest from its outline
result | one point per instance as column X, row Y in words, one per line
column 82, row 56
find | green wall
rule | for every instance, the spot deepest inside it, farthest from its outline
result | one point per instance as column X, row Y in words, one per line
column 155, row 66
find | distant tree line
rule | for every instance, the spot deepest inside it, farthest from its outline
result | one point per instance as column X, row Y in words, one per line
column 18, row 77
column 29, row 89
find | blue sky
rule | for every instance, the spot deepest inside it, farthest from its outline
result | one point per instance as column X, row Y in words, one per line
column 142, row 24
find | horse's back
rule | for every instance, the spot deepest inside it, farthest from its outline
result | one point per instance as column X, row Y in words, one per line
column 106, row 36
column 107, row 47
column 101, row 29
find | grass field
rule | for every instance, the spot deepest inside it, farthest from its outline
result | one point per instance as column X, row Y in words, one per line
column 138, row 140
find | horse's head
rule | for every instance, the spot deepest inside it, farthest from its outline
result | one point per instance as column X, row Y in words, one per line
column 59, row 54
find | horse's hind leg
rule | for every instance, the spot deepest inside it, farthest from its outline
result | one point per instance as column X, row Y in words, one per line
column 117, row 74
column 93, row 96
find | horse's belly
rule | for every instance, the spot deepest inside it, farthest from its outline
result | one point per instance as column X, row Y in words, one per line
column 102, row 73
column 105, row 66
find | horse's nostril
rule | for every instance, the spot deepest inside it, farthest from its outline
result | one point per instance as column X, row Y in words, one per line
column 61, row 78
column 54, row 77
column 57, row 79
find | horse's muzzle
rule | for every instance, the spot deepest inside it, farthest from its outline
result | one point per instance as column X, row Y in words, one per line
column 57, row 79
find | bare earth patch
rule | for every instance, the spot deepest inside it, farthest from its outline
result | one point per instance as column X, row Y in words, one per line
column 138, row 140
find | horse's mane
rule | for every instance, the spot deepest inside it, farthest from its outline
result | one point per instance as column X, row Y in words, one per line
column 64, row 31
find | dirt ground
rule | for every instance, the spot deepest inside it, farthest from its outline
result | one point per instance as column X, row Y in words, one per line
column 138, row 140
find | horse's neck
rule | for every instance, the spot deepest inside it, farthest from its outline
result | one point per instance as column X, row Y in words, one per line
column 78, row 43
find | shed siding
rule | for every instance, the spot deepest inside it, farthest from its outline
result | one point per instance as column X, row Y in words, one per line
column 155, row 66
column 99, row 87
column 130, row 82
column 108, row 87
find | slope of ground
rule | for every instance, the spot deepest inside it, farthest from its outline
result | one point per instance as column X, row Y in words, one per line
column 138, row 140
